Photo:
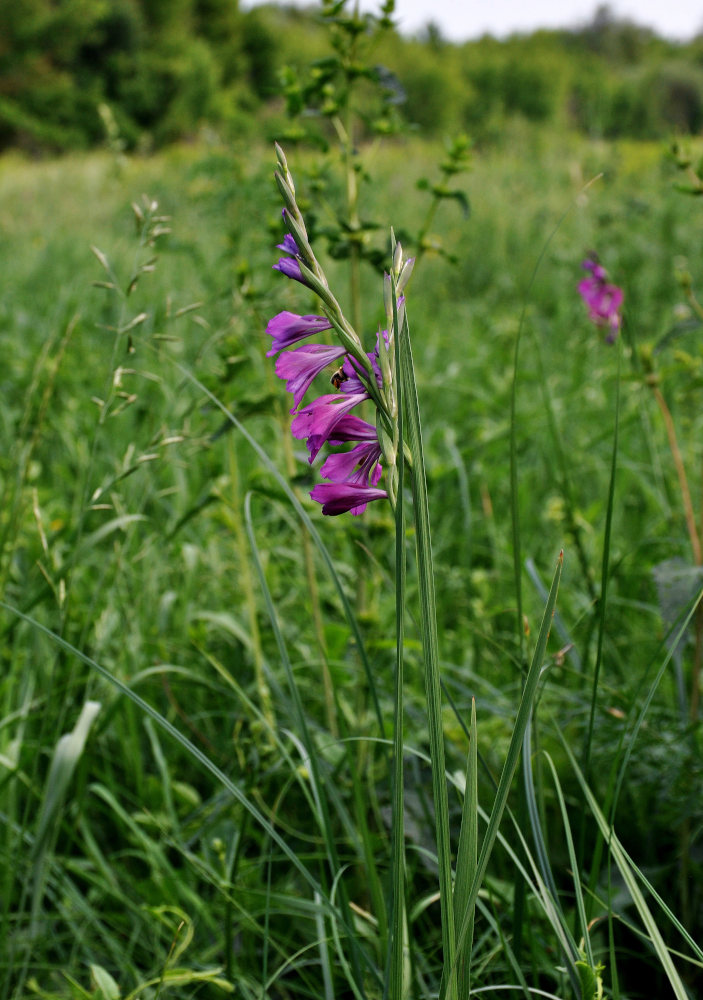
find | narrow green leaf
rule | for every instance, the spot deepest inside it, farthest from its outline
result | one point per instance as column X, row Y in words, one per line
column 630, row 874
column 430, row 644
column 578, row 892
column 67, row 753
column 393, row 987
column 466, row 860
column 106, row 986
column 521, row 722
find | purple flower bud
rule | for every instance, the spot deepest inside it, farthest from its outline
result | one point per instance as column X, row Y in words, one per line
column 288, row 328
column 290, row 266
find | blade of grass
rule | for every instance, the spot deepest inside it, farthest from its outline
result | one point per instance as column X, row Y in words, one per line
column 466, row 859
column 578, row 892
column 630, row 874
column 521, row 722
column 430, row 645
column 67, row 753
column 201, row 758
column 569, row 948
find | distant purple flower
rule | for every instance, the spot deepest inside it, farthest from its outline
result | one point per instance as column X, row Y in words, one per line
column 604, row 300
column 300, row 367
column 288, row 328
column 290, row 266
column 318, row 420
column 337, row 498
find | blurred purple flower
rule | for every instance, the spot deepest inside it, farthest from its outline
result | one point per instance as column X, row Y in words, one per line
column 604, row 300
column 300, row 367
column 337, row 498
column 288, row 328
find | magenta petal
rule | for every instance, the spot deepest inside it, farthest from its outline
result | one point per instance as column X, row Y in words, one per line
column 355, row 466
column 337, row 498
column 300, row 367
column 352, row 428
column 290, row 267
column 288, row 245
column 317, row 421
column 288, row 328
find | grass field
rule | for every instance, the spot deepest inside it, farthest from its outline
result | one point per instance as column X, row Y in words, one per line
column 137, row 521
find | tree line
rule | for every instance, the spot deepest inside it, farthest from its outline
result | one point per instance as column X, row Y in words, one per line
column 74, row 73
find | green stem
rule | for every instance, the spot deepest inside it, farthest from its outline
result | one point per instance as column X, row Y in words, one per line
column 394, row 982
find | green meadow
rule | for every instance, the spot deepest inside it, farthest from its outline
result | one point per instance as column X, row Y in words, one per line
column 159, row 584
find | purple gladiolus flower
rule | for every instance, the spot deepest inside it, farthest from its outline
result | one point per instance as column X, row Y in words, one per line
column 299, row 367
column 288, row 328
column 341, row 467
column 604, row 300
column 318, row 420
column 337, row 498
column 352, row 369
column 290, row 266
column 351, row 428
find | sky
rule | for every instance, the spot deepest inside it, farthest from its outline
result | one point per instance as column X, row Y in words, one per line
column 463, row 19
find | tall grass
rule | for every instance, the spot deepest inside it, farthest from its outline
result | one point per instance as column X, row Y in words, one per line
column 223, row 825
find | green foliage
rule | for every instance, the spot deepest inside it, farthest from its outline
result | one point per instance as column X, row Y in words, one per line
column 169, row 68
column 122, row 528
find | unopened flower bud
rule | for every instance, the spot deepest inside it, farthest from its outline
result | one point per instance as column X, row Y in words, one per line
column 397, row 259
column 405, row 273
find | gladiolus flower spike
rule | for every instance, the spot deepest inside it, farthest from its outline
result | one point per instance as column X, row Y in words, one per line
column 353, row 475
column 604, row 301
